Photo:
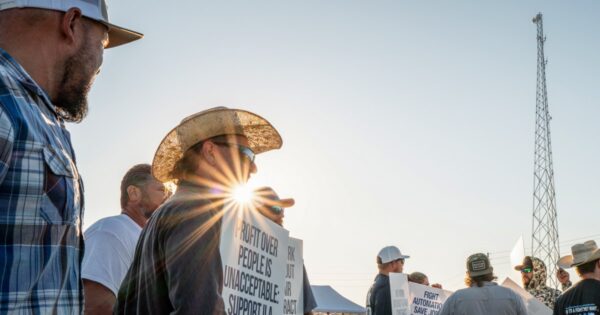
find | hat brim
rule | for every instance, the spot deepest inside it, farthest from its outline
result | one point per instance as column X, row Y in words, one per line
column 285, row 203
column 565, row 262
column 520, row 267
column 118, row 36
column 568, row 261
column 261, row 135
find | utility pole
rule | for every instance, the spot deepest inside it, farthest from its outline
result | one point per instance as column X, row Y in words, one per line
column 544, row 235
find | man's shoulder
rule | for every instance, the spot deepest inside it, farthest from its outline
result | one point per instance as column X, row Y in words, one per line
column 118, row 226
column 185, row 206
column 591, row 285
column 381, row 283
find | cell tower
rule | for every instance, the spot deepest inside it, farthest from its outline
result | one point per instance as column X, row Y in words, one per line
column 544, row 235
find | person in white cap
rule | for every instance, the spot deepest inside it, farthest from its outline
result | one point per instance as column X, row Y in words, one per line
column 50, row 53
column 379, row 298
column 483, row 295
column 177, row 267
column 584, row 297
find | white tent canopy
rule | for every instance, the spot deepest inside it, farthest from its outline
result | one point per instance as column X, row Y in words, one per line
column 329, row 301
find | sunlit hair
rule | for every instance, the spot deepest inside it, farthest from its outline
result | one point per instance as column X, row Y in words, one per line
column 188, row 164
column 479, row 280
column 417, row 277
column 137, row 176
column 588, row 267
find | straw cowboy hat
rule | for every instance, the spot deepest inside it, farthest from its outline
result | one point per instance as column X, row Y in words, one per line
column 581, row 254
column 218, row 121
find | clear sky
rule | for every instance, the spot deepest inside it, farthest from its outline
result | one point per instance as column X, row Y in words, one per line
column 404, row 122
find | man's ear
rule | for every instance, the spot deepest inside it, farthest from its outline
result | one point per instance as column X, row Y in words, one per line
column 208, row 152
column 134, row 193
column 71, row 25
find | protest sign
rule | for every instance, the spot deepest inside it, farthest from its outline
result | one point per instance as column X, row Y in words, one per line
column 516, row 256
column 254, row 257
column 533, row 305
column 413, row 298
column 293, row 301
column 399, row 293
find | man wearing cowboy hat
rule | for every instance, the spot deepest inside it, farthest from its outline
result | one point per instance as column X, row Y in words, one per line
column 584, row 297
column 50, row 53
column 177, row 266
column 268, row 203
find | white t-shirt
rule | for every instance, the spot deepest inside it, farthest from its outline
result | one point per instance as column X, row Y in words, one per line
column 109, row 249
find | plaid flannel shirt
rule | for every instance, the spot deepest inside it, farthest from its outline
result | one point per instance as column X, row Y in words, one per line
column 41, row 202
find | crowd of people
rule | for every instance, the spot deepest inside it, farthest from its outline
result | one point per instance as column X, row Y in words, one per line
column 161, row 254
column 483, row 295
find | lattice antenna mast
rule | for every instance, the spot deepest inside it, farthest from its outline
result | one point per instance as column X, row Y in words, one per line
column 545, row 226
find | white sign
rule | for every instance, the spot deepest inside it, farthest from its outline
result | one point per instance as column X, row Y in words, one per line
column 254, row 253
column 399, row 293
column 516, row 256
column 533, row 305
column 414, row 298
column 293, row 301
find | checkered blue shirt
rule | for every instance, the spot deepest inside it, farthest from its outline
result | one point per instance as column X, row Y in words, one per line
column 41, row 202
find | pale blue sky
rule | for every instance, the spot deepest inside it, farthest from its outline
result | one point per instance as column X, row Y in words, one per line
column 404, row 122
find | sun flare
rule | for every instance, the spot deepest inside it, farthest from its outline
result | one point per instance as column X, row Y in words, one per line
column 243, row 194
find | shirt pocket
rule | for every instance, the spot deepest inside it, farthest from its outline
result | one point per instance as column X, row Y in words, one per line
column 61, row 182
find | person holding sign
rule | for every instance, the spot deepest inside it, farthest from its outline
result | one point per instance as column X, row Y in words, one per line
column 268, row 203
column 533, row 275
column 177, row 267
column 379, row 299
column 584, row 297
column 421, row 278
column 483, row 296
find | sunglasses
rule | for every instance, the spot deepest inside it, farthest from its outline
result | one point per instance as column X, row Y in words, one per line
column 244, row 150
column 527, row 270
column 276, row 209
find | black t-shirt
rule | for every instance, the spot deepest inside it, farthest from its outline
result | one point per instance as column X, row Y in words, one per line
column 581, row 299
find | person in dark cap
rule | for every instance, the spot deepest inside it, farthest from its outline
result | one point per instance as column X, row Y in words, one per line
column 534, row 277
column 268, row 203
column 483, row 295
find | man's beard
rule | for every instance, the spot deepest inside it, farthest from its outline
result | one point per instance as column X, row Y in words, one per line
column 146, row 206
column 71, row 101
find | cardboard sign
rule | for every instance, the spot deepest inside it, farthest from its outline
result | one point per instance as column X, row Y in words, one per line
column 254, row 253
column 533, row 305
column 414, row 298
column 293, row 301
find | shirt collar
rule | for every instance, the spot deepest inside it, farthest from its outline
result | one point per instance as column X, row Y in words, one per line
column 19, row 73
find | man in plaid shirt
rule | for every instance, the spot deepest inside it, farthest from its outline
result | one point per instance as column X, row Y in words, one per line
column 50, row 52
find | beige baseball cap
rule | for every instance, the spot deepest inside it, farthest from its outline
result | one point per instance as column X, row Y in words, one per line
column 92, row 9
